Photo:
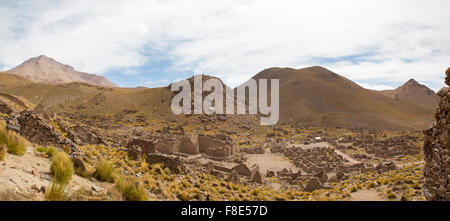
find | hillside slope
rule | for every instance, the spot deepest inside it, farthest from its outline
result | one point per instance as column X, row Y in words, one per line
column 317, row 96
column 414, row 93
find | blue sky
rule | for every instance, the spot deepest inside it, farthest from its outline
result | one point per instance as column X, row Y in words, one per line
column 378, row 44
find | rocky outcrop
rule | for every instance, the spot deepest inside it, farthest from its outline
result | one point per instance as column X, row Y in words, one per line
column 436, row 150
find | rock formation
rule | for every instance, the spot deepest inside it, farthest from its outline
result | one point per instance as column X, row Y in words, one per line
column 436, row 151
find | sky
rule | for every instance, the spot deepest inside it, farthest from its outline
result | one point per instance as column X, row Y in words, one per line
column 378, row 44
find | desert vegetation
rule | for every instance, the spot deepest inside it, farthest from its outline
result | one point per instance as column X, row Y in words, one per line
column 15, row 144
column 61, row 168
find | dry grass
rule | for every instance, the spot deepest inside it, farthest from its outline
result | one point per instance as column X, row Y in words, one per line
column 2, row 152
column 15, row 144
column 51, row 151
column 56, row 192
column 105, row 171
column 61, row 168
column 131, row 189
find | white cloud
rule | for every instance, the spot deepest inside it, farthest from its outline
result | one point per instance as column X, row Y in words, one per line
column 237, row 38
column 156, row 83
column 375, row 87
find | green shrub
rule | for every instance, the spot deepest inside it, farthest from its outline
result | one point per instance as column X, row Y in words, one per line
column 56, row 192
column 2, row 152
column 61, row 168
column 15, row 144
column 41, row 149
column 51, row 151
column 104, row 171
column 131, row 189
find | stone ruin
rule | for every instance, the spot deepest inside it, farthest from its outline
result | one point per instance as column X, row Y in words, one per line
column 81, row 135
column 219, row 146
column 174, row 163
column 391, row 147
column 5, row 109
column 436, row 150
column 37, row 130
column 315, row 160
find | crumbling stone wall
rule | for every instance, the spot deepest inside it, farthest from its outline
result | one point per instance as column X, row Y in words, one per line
column 217, row 146
column 436, row 150
column 5, row 109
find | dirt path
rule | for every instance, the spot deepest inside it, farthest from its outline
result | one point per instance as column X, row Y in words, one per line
column 345, row 156
column 366, row 195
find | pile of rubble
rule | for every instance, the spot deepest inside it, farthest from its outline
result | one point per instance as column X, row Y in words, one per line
column 436, row 150
column 38, row 130
column 5, row 109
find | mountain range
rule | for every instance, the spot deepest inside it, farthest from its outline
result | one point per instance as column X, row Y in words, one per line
column 313, row 96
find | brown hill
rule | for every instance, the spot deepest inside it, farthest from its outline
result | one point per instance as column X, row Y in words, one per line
column 310, row 96
column 112, row 107
column 46, row 70
column 317, row 96
column 414, row 93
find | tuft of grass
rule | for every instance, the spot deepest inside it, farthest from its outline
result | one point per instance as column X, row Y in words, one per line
column 2, row 152
column 51, row 151
column 131, row 189
column 61, row 168
column 105, row 171
column 391, row 196
column 353, row 189
column 56, row 192
column 370, row 185
column 15, row 144
column 416, row 186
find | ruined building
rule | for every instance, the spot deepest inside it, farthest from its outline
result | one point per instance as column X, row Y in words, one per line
column 436, row 150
